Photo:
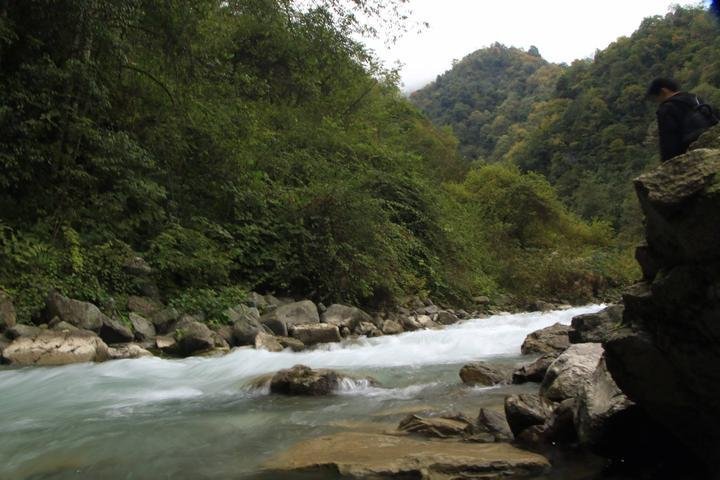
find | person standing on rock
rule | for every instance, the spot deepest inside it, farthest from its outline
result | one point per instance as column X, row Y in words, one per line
column 681, row 117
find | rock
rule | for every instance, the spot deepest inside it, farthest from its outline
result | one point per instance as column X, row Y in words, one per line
column 426, row 321
column 430, row 310
column 143, row 328
column 304, row 381
column 376, row 333
column 709, row 139
column 446, row 318
column 219, row 343
column 246, row 324
column 165, row 319
column 114, row 331
column 137, row 266
column 571, row 371
column 8, row 318
column 285, row 316
column 226, row 333
column 65, row 326
column 560, row 428
column 553, row 339
column 193, row 337
column 409, row 324
column 316, row 333
column 495, row 423
column 166, row 344
column 481, row 300
column 540, row 306
column 457, row 426
column 595, row 327
column 292, row 343
column 83, row 315
column 533, row 372
column 345, row 332
column 345, row 316
column 391, row 327
column 376, row 456
column 365, row 328
column 126, row 351
column 482, row 373
column 21, row 330
column 144, row 306
column 600, row 404
column 265, row 341
column 525, row 410
column 56, row 348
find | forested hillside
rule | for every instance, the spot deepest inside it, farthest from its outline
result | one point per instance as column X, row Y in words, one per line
column 252, row 145
column 595, row 131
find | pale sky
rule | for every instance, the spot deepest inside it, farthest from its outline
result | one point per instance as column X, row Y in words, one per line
column 563, row 30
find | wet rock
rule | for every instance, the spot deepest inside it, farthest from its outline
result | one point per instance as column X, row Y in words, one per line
column 144, row 330
column 345, row 316
column 571, row 371
column 482, row 373
column 286, row 316
column 316, row 333
column 365, row 328
column 596, row 327
column 20, row 330
column 144, row 306
column 540, row 306
column 446, row 318
column 533, row 372
column 292, row 343
column 83, row 315
column 56, row 348
column 265, row 341
column 304, row 381
column 377, row 456
column 114, row 331
column 410, row 324
column 495, row 423
column 127, row 351
column 426, row 321
column 392, row 327
column 8, row 318
column 457, row 426
column 553, row 339
column 526, row 410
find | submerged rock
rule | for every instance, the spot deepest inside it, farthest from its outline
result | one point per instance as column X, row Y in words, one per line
column 571, row 371
column 550, row 340
column 376, row 456
column 56, row 348
column 483, row 373
column 302, row 380
column 455, row 426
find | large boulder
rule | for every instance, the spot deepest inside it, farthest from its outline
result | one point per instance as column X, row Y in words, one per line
column 494, row 423
column 483, row 373
column 316, row 333
column 571, row 371
column 56, row 348
column 143, row 328
column 193, row 337
column 8, row 317
column 83, row 315
column 526, row 410
column 304, row 381
column 268, row 342
column 291, row 314
column 446, row 318
column 164, row 319
column 115, row 331
column 21, row 330
column 245, row 324
column 551, row 340
column 374, row 456
column 595, row 327
column 145, row 306
column 345, row 316
column 392, row 327
column 535, row 371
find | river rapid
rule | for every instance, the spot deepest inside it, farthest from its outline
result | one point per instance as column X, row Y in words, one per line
column 198, row 418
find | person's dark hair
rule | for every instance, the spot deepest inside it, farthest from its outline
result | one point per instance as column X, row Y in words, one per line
column 658, row 84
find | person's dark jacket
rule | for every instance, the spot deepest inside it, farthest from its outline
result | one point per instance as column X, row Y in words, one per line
column 671, row 115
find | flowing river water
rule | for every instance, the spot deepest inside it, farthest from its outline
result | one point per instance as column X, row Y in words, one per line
column 198, row 418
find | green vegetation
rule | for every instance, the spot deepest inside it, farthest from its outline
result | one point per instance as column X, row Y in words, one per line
column 240, row 145
column 593, row 132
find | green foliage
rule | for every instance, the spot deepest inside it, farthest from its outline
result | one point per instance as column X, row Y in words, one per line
column 208, row 302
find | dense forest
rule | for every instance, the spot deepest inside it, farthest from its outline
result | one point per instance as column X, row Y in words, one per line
column 586, row 127
column 253, row 144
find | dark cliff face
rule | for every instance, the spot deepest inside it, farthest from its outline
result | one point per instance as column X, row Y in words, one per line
column 666, row 353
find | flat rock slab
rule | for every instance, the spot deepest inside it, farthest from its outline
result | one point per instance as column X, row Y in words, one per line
column 377, row 456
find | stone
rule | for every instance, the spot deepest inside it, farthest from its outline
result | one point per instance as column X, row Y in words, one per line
column 137, row 266
column 426, row 321
column 56, row 348
column 304, row 381
column 316, row 333
column 455, row 426
column 495, row 423
column 165, row 319
column 20, row 330
column 292, row 343
column 166, row 344
column 83, row 315
column 596, row 327
column 446, row 318
column 257, row 301
column 526, row 410
column 709, row 139
column 65, row 326
column 560, row 427
column 481, row 300
column 345, row 316
column 8, row 318
column 226, row 333
column 365, row 328
column 144, row 330
column 571, row 371
column 127, row 351
column 392, row 327
column 145, row 306
column 193, row 337
column 374, row 456
column 533, row 372
column 553, row 339
column 265, row 341
column 482, row 373
column 540, row 306
column 288, row 315
column 409, row 324
column 114, row 331
column 245, row 324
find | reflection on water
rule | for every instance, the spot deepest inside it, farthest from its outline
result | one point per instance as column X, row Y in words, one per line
column 198, row 418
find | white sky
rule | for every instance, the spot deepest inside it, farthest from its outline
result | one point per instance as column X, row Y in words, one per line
column 563, row 30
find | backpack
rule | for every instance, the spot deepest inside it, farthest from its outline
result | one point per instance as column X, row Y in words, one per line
column 699, row 118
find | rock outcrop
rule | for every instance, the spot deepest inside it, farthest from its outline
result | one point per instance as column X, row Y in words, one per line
column 56, row 348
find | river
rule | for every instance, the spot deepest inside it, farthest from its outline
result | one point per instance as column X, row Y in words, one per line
column 198, row 418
